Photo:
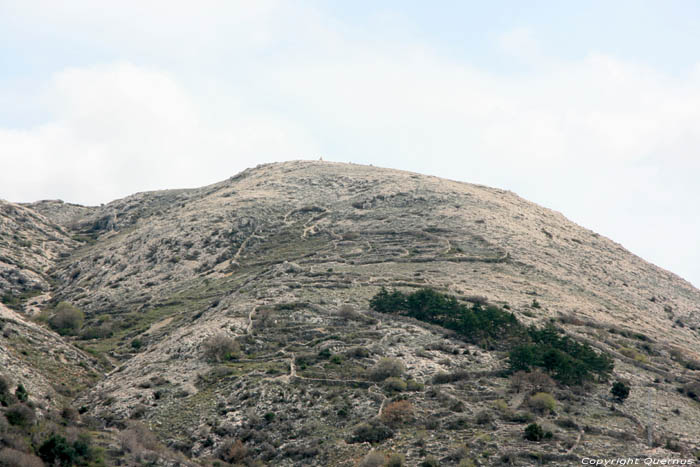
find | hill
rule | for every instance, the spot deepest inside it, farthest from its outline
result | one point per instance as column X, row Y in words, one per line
column 234, row 322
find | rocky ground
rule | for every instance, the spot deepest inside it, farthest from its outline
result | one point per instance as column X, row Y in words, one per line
column 277, row 264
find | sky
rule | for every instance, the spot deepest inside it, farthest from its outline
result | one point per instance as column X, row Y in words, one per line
column 589, row 108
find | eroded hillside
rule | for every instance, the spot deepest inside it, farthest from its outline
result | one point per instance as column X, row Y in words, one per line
column 234, row 322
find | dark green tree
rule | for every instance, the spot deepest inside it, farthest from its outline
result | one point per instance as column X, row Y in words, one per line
column 21, row 393
column 620, row 391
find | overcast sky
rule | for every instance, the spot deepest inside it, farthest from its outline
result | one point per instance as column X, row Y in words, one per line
column 590, row 108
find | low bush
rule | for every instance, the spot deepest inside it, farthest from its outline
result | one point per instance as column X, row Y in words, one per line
column 373, row 459
column 66, row 319
column 348, row 313
column 56, row 450
column 483, row 418
column 534, row 432
column 386, row 368
column 357, row 352
column 137, row 439
column 21, row 393
column 620, row 391
column 692, row 390
column 373, row 431
column 396, row 413
column 395, row 460
column 413, row 385
column 20, row 415
column 5, row 394
column 445, row 378
column 542, row 402
column 394, row 384
column 233, row 451
column 220, row 347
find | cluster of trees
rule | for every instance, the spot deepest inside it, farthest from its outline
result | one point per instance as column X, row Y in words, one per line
column 566, row 360
column 488, row 326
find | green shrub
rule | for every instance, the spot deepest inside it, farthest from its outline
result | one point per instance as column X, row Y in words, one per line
column 357, row 352
column 394, row 384
column 21, row 393
column 5, row 395
column 66, row 319
column 20, row 415
column 336, row 359
column 57, row 451
column 692, row 390
column 445, row 378
column 620, row 391
column 413, row 385
column 543, row 402
column 534, row 432
column 483, row 418
column 372, row 431
column 97, row 332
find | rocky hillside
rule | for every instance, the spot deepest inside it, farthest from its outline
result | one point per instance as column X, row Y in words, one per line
column 233, row 322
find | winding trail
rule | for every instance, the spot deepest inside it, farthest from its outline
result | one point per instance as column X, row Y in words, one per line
column 578, row 440
column 249, row 327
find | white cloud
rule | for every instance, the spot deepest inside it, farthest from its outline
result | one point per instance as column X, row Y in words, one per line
column 119, row 129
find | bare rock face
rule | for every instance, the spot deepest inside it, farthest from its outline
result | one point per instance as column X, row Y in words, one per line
column 234, row 319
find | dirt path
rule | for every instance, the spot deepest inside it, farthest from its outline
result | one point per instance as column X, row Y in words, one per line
column 249, row 327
